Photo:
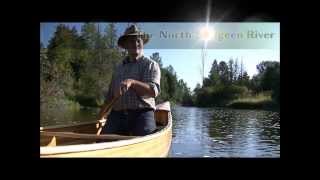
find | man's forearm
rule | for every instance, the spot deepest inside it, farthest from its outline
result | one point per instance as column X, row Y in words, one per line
column 143, row 89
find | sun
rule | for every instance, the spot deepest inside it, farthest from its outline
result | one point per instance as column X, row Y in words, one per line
column 206, row 33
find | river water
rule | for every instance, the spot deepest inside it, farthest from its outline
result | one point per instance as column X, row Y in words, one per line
column 220, row 132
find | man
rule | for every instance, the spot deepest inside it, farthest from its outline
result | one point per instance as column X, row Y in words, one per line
column 137, row 81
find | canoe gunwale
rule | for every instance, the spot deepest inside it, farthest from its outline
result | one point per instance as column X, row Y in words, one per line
column 63, row 126
column 86, row 135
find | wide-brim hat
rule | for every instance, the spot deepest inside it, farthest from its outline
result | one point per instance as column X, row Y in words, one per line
column 132, row 31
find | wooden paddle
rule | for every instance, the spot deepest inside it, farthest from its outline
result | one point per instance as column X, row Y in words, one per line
column 105, row 110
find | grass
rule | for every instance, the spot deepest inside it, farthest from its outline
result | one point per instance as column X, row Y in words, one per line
column 259, row 101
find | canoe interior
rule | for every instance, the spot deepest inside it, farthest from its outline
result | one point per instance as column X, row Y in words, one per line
column 161, row 117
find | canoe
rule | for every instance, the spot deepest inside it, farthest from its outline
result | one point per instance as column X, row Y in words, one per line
column 81, row 140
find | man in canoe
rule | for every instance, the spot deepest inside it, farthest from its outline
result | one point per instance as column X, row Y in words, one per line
column 135, row 84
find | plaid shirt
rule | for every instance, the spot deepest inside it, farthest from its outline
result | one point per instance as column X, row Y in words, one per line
column 144, row 70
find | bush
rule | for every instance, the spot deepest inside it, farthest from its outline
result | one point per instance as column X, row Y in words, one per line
column 88, row 100
column 59, row 104
column 219, row 95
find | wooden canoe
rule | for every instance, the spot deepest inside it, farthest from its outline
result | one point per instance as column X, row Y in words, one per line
column 80, row 140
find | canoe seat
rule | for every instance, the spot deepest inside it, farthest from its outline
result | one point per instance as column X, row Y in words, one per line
column 161, row 117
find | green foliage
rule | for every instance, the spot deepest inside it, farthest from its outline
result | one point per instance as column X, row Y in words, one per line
column 111, row 36
column 228, row 82
column 90, row 35
column 218, row 95
column 156, row 57
column 268, row 78
column 76, row 67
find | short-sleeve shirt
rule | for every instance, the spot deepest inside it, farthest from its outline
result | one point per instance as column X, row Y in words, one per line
column 144, row 70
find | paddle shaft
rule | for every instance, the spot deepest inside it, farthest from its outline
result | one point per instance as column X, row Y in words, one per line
column 106, row 109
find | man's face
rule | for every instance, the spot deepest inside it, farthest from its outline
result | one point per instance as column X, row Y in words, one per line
column 134, row 45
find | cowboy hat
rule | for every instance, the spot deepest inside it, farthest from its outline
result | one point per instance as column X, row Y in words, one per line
column 132, row 31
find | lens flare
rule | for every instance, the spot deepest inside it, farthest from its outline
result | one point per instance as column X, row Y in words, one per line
column 206, row 33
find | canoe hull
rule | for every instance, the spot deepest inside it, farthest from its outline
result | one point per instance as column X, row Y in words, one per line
column 154, row 145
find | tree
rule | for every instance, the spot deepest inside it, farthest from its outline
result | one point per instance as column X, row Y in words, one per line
column 245, row 80
column 241, row 71
column 90, row 35
column 224, row 72
column 268, row 78
column 245, row 77
column 255, row 83
column 269, row 71
column 172, row 89
column 157, row 58
column 164, row 95
column 171, row 70
column 168, row 85
column 172, row 81
column 236, row 70
column 231, row 71
column 64, row 38
column 55, row 71
column 111, row 35
column 214, row 78
column 185, row 95
column 207, row 82
column 79, row 64
column 62, row 53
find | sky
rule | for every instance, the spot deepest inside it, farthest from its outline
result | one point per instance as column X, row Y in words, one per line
column 184, row 54
column 187, row 62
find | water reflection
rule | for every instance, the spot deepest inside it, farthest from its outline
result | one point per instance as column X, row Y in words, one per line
column 65, row 117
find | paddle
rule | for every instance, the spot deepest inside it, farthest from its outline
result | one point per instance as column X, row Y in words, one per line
column 105, row 110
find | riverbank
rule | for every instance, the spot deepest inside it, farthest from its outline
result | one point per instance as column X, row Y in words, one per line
column 260, row 101
column 254, row 104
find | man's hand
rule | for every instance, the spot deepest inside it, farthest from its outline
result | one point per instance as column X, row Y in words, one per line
column 126, row 84
column 141, row 88
column 124, row 87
